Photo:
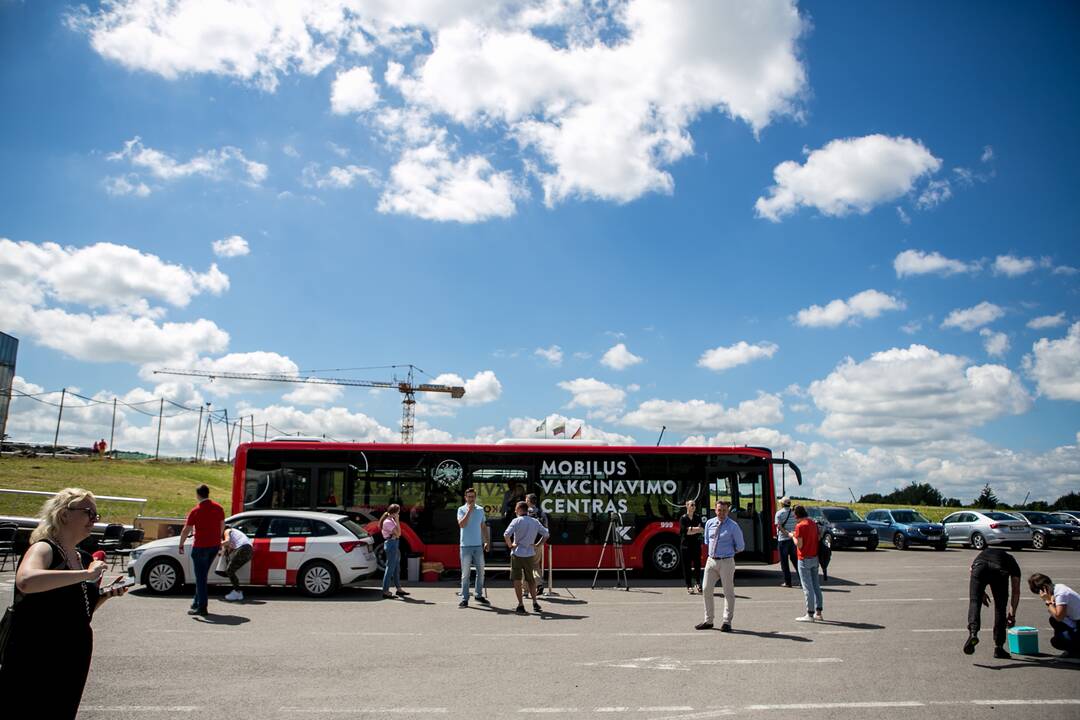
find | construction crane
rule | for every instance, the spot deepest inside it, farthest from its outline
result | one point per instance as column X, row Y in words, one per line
column 407, row 388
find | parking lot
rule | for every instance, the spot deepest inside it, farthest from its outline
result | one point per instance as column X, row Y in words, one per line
column 890, row 647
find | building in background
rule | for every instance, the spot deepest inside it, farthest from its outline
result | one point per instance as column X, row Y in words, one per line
column 9, row 349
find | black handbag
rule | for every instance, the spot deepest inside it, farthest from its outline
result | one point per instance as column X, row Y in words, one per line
column 6, row 628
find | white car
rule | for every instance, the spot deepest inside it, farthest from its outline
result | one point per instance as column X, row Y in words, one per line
column 317, row 552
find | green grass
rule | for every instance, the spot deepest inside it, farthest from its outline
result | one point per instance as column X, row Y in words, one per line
column 169, row 487
column 932, row 513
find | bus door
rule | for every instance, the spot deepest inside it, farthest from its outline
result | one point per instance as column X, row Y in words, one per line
column 742, row 487
column 498, row 490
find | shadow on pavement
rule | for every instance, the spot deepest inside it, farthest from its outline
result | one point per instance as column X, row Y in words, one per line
column 851, row 625
column 1042, row 660
column 770, row 635
column 216, row 619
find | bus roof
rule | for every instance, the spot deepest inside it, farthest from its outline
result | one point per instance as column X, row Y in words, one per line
column 537, row 446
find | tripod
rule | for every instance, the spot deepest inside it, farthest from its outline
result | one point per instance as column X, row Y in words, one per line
column 615, row 540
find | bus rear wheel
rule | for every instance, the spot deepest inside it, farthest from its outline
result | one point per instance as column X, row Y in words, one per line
column 662, row 556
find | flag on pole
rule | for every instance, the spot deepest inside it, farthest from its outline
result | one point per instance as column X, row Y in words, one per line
column 559, row 429
column 542, row 426
column 577, row 433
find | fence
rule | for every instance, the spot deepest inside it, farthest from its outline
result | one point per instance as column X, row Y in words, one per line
column 202, row 435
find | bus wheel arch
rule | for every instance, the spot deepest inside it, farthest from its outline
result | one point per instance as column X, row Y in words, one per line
column 662, row 555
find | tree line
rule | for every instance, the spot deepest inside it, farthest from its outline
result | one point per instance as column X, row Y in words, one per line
column 926, row 494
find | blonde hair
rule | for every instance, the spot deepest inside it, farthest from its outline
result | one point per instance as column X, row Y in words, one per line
column 49, row 516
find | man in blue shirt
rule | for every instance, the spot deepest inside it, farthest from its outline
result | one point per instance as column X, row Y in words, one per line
column 474, row 543
column 785, row 525
column 523, row 536
column 723, row 538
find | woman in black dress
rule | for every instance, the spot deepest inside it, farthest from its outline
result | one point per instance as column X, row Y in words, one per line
column 56, row 594
column 690, row 530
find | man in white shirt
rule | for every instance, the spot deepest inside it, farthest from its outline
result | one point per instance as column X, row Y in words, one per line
column 1063, row 604
column 523, row 536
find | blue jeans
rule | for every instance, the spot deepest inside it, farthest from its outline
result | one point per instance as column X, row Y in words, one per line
column 201, row 561
column 811, row 584
column 472, row 556
column 392, row 574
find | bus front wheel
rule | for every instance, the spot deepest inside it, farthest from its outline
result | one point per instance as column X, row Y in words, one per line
column 662, row 556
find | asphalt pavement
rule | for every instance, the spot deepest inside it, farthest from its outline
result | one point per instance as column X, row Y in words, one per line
column 889, row 648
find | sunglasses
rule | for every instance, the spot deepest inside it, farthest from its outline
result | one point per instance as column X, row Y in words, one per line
column 91, row 513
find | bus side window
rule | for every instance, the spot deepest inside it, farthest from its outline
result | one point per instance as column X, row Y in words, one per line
column 719, row 489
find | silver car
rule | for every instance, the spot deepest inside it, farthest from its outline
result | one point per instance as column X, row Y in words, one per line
column 979, row 528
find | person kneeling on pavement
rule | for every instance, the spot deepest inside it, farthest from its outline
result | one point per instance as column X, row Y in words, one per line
column 236, row 547
column 1063, row 604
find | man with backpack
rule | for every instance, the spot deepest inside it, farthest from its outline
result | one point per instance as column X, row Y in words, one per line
column 785, row 524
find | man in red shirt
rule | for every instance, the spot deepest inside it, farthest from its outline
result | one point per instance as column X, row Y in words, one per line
column 207, row 519
column 806, row 549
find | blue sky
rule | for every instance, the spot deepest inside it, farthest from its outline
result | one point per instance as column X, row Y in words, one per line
column 866, row 213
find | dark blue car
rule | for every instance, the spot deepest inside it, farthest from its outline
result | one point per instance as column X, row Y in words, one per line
column 906, row 528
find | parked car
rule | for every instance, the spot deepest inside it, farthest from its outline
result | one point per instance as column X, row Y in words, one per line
column 317, row 552
column 1070, row 517
column 841, row 527
column 906, row 528
column 979, row 528
column 1047, row 530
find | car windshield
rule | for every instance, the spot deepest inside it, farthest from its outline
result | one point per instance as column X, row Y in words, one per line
column 1040, row 518
column 908, row 516
column 999, row 516
column 353, row 527
column 841, row 515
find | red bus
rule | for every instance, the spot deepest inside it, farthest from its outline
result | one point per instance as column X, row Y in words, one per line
column 583, row 488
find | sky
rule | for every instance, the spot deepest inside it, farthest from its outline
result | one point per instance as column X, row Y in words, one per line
column 845, row 231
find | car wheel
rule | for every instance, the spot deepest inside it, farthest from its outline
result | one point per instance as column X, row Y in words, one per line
column 662, row 556
column 900, row 541
column 317, row 579
column 872, row 545
column 1038, row 541
column 941, row 546
column 978, row 541
column 827, row 539
column 163, row 576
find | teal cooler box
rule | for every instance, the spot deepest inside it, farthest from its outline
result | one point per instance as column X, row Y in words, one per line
column 1023, row 640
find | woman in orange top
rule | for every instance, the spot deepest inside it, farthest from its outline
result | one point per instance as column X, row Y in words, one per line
column 806, row 549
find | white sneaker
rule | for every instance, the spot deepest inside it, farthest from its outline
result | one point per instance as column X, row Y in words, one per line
column 817, row 615
column 235, row 596
column 805, row 618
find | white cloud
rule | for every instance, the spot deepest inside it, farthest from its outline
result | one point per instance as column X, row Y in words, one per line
column 337, row 177
column 973, row 317
column 525, row 427
column 917, row 262
column 1012, row 266
column 935, row 193
column 987, row 154
column 910, row 328
column 482, row 388
column 995, row 343
column 612, row 90
column 553, row 355
column 592, row 393
column 1055, row 365
column 618, row 357
column 310, row 394
column 120, row 185
column 1065, row 270
column 230, row 247
column 428, row 183
column 902, row 214
column 99, row 275
column 701, row 416
column 723, row 358
column 902, row 396
column 220, row 164
column 1047, row 321
column 353, row 90
column 868, row 304
column 848, row 175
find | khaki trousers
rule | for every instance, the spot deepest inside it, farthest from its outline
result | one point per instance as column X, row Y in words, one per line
column 724, row 571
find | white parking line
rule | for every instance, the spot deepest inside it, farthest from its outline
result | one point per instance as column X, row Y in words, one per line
column 549, row 711
column 838, row 705
column 366, row 711
column 892, row 600
column 141, row 708
column 769, row 661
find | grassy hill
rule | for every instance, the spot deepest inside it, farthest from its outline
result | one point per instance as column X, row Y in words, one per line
column 169, row 487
